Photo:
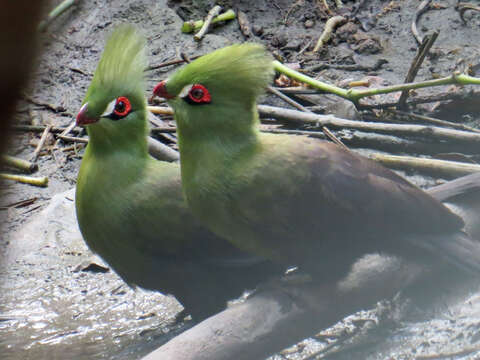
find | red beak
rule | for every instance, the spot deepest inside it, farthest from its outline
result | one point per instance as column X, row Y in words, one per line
column 82, row 117
column 160, row 90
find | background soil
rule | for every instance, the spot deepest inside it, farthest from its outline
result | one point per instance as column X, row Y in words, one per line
column 37, row 318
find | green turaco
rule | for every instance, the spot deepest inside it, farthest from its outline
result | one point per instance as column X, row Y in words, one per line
column 130, row 207
column 294, row 199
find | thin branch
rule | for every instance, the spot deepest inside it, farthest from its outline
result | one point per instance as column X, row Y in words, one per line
column 463, row 7
column 36, row 181
column 432, row 166
column 192, row 26
column 40, row 144
column 244, row 24
column 355, row 95
column 287, row 99
column 422, row 52
column 332, row 137
column 73, row 139
column 56, row 12
column 56, row 109
column 356, row 67
column 168, row 63
column 434, row 121
column 19, row 163
column 208, row 21
column 384, row 128
column 423, row 7
column 65, row 132
column 330, row 25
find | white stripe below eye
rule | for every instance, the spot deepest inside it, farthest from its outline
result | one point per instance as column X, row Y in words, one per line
column 109, row 108
column 185, row 91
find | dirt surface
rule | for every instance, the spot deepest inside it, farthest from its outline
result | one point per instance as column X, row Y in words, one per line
column 49, row 307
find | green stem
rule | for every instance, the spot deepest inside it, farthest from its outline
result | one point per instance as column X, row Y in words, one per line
column 355, row 95
column 57, row 11
column 36, row 181
column 193, row 26
column 18, row 163
column 310, row 81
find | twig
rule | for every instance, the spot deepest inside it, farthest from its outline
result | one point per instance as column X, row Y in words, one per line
column 430, row 120
column 357, row 139
column 185, row 57
column 52, row 107
column 444, row 167
column 338, row 123
column 357, row 67
column 192, row 26
column 208, row 21
column 36, row 181
column 57, row 11
column 325, row 5
column 332, row 137
column 160, row 123
column 309, row 42
column 422, row 52
column 72, row 139
column 160, row 110
column 65, row 132
column 35, row 117
column 80, row 71
column 20, row 164
column 161, row 151
column 384, row 128
column 40, row 144
column 458, row 187
column 168, row 63
column 444, row 96
column 37, row 128
column 463, row 7
column 155, row 147
column 19, row 204
column 420, row 10
column 297, row 90
column 244, row 24
column 164, row 129
column 355, row 95
column 360, row 139
column 330, row 25
column 296, row 4
column 292, row 102
column 287, row 99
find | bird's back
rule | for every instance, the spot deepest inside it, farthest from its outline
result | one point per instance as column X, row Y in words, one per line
column 303, row 201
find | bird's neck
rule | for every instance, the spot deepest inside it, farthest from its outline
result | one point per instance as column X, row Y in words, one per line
column 103, row 145
column 207, row 151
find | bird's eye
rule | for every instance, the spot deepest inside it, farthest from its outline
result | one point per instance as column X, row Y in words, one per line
column 198, row 94
column 122, row 107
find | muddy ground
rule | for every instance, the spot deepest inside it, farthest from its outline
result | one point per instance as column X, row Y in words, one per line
column 51, row 305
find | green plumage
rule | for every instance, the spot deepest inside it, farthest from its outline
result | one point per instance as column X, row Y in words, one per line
column 130, row 207
column 295, row 200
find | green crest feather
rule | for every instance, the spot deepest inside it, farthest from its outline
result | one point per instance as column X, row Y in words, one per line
column 242, row 71
column 121, row 67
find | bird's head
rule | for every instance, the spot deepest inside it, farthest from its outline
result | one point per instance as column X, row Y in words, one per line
column 114, row 108
column 219, row 90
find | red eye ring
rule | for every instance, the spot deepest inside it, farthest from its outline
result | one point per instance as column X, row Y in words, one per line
column 122, row 106
column 199, row 94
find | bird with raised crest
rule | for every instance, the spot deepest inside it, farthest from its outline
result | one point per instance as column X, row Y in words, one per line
column 130, row 206
column 294, row 199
